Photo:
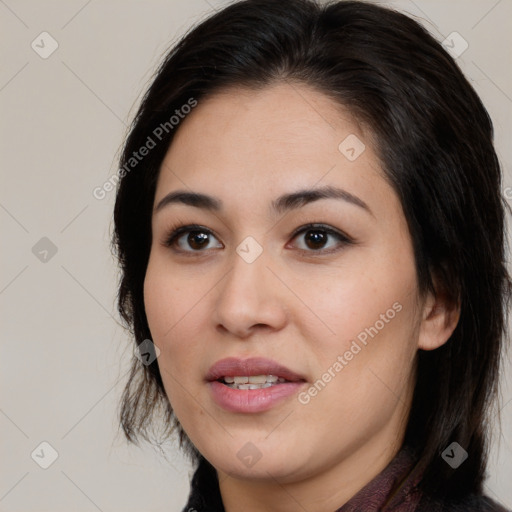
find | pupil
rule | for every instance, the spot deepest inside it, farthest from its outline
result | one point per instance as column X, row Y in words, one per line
column 316, row 237
column 197, row 239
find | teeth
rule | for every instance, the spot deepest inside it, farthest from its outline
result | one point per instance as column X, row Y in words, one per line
column 251, row 386
column 252, row 381
column 257, row 379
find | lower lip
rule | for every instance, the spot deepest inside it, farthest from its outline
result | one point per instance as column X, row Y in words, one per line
column 252, row 400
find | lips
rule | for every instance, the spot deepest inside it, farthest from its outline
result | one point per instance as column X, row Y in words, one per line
column 281, row 384
column 234, row 367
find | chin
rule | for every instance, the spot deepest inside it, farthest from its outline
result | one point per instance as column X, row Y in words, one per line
column 264, row 463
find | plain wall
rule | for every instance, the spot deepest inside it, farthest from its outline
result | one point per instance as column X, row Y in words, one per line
column 64, row 355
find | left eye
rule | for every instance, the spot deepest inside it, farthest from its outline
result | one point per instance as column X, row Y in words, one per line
column 316, row 239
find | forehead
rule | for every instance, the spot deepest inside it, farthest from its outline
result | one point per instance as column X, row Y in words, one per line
column 254, row 143
column 282, row 117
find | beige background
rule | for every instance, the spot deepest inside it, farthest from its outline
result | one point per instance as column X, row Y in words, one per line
column 64, row 356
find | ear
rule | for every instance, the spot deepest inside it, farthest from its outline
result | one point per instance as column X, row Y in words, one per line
column 440, row 316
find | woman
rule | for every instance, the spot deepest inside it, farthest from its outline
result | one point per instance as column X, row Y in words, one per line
column 311, row 233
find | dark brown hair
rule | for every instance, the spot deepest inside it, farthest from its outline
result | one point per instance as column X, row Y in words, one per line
column 434, row 139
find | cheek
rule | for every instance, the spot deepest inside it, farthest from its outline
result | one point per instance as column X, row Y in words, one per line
column 168, row 297
column 172, row 310
column 367, row 297
column 365, row 374
column 370, row 341
column 173, row 307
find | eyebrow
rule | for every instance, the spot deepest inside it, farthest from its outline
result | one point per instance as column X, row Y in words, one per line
column 280, row 205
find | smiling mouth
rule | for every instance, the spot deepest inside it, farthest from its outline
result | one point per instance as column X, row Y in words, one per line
column 251, row 381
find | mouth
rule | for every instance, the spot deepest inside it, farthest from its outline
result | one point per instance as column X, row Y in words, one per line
column 251, row 385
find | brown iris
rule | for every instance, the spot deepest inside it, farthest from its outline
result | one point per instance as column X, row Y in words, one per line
column 317, row 238
column 197, row 239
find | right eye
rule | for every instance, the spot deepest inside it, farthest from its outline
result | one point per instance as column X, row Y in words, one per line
column 185, row 238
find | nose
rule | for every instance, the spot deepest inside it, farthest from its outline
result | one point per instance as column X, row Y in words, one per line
column 250, row 298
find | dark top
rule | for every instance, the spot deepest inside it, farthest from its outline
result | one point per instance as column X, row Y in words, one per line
column 393, row 490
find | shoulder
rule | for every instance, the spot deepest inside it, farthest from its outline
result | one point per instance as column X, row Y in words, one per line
column 471, row 503
column 482, row 504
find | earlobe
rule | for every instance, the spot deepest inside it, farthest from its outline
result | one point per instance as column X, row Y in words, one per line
column 440, row 318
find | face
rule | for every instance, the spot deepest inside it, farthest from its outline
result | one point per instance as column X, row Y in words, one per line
column 298, row 265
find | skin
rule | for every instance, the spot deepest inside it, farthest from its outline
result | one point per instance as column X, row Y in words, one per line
column 292, row 304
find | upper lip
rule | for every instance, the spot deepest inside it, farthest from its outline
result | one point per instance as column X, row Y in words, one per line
column 233, row 367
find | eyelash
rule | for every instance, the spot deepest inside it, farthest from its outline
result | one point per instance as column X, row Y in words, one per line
column 177, row 231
